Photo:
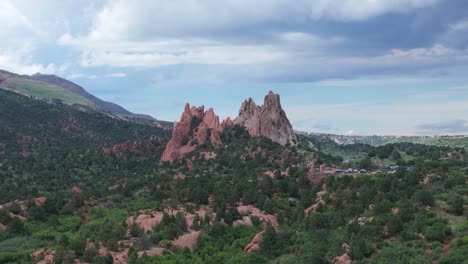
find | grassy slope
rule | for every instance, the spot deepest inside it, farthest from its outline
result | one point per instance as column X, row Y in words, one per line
column 44, row 90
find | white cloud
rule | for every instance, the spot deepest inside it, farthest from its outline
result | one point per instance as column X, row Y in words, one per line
column 20, row 61
column 460, row 25
column 79, row 75
column 11, row 17
column 353, row 10
column 158, row 33
column 435, row 51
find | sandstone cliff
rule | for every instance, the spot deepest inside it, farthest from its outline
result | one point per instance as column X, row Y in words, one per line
column 268, row 120
column 196, row 127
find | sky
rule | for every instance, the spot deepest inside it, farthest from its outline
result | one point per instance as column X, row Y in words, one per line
column 355, row 67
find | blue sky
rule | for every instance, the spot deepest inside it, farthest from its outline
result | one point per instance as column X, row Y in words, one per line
column 341, row 66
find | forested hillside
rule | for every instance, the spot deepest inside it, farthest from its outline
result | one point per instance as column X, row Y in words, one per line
column 80, row 186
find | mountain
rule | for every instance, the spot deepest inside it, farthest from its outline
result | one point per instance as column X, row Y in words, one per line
column 24, row 85
column 197, row 127
column 54, row 87
column 28, row 123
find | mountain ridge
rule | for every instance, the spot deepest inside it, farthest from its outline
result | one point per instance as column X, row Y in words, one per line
column 50, row 86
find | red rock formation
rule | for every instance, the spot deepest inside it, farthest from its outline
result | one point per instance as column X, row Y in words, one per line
column 24, row 154
column 268, row 120
column 133, row 147
column 76, row 190
column 319, row 200
column 254, row 245
column 227, row 123
column 196, row 127
column 208, row 155
column 189, row 164
column 47, row 256
column 148, row 219
column 2, row 227
column 128, row 145
column 21, row 218
column 188, row 240
column 343, row 259
column 156, row 251
column 244, row 221
column 39, row 201
column 264, row 218
column 179, row 176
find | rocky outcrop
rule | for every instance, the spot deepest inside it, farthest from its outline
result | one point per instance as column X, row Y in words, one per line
column 196, row 127
column 150, row 145
column 343, row 259
column 254, row 245
column 43, row 256
column 268, row 120
column 265, row 219
column 188, row 240
column 227, row 123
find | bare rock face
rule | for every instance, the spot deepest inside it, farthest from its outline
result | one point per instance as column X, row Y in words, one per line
column 227, row 123
column 196, row 127
column 268, row 120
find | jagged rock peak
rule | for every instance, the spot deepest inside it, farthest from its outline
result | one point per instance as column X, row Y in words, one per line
column 196, row 127
column 268, row 120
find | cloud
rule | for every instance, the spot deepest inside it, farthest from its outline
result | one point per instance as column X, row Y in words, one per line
column 456, row 34
column 12, row 18
column 79, row 75
column 264, row 35
column 456, row 126
column 353, row 10
column 20, row 61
